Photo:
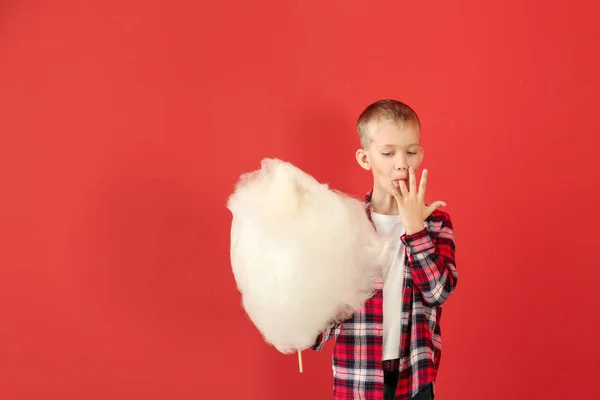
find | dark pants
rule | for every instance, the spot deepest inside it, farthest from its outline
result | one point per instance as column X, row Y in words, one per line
column 390, row 380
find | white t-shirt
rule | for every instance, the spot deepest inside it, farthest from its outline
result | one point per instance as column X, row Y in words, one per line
column 392, row 285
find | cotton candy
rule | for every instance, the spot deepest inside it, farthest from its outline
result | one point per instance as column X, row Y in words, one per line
column 300, row 253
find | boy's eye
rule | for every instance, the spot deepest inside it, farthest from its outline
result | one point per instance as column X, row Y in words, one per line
column 387, row 154
column 412, row 153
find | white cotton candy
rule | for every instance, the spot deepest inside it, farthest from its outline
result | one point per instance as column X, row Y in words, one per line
column 300, row 253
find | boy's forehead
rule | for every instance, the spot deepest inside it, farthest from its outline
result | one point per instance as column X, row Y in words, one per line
column 404, row 133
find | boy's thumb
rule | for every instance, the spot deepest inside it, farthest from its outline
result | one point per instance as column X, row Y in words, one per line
column 435, row 206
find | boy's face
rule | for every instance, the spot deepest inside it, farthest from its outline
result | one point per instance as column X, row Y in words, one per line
column 394, row 147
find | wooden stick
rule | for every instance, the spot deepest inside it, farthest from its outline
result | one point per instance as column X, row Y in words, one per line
column 300, row 361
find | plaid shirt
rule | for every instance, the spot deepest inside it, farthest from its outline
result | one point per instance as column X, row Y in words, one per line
column 429, row 278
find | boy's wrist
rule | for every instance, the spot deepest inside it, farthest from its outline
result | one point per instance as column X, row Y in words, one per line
column 413, row 228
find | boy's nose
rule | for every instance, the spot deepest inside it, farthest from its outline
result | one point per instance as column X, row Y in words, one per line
column 401, row 163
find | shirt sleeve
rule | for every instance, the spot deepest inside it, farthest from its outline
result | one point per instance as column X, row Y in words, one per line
column 324, row 337
column 431, row 260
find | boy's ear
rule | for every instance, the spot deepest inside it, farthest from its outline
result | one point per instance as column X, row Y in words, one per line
column 363, row 159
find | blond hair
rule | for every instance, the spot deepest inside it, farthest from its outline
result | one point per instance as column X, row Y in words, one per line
column 387, row 110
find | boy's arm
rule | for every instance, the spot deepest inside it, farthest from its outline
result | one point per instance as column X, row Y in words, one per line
column 432, row 262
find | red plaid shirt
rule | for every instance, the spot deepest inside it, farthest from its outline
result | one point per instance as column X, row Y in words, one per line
column 429, row 278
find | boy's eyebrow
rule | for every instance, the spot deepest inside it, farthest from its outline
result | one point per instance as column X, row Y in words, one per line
column 393, row 145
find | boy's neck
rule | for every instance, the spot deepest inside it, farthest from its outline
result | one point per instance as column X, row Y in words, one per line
column 383, row 203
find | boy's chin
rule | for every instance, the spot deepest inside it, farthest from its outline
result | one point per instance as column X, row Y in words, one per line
column 385, row 192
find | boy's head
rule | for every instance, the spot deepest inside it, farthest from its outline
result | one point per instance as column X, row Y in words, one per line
column 390, row 139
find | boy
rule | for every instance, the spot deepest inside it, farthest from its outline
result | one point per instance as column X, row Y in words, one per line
column 391, row 348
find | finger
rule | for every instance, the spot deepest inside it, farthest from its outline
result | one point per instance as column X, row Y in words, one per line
column 403, row 188
column 423, row 183
column 395, row 190
column 412, row 180
column 432, row 207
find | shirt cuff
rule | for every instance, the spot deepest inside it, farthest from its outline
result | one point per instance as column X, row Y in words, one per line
column 418, row 242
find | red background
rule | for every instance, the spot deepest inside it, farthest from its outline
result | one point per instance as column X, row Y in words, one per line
column 124, row 125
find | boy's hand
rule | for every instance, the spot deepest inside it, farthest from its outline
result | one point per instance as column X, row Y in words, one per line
column 411, row 204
